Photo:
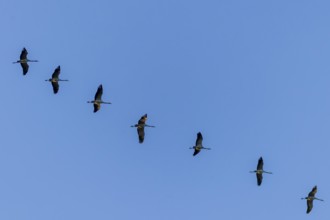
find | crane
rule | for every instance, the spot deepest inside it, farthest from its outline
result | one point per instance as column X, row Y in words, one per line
column 140, row 127
column 259, row 171
column 54, row 80
column 98, row 99
column 199, row 145
column 23, row 60
column 310, row 198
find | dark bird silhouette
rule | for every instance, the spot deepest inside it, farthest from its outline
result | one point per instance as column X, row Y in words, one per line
column 54, row 80
column 199, row 145
column 140, row 127
column 98, row 99
column 260, row 171
column 310, row 198
column 23, row 60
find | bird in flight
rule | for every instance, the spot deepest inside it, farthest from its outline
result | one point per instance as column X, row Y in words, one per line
column 259, row 171
column 199, row 145
column 23, row 60
column 310, row 198
column 140, row 127
column 54, row 80
column 98, row 99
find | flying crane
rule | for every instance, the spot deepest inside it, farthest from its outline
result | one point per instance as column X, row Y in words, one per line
column 55, row 79
column 23, row 60
column 98, row 99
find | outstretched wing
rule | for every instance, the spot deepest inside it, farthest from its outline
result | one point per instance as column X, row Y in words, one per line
column 199, row 139
column 196, row 151
column 313, row 192
column 56, row 86
column 143, row 119
column 260, row 164
column 309, row 205
column 259, row 178
column 24, row 54
column 140, row 131
column 99, row 92
column 97, row 107
column 25, row 68
column 56, row 73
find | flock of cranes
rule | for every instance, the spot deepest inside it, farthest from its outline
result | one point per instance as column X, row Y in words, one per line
column 142, row 124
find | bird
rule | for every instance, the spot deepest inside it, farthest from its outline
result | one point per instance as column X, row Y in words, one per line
column 260, row 171
column 199, row 145
column 140, row 127
column 23, row 60
column 54, row 80
column 98, row 99
column 310, row 198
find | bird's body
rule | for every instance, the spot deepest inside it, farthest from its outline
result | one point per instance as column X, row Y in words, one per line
column 98, row 99
column 23, row 60
column 310, row 198
column 140, row 127
column 199, row 144
column 55, row 79
column 259, row 171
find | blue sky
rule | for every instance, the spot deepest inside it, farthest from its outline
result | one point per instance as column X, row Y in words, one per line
column 252, row 76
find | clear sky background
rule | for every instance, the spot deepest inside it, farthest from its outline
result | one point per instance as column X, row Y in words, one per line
column 252, row 76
